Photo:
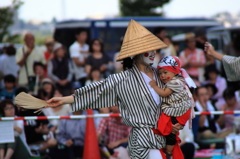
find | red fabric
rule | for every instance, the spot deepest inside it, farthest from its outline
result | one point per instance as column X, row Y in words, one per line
column 165, row 128
column 47, row 55
column 169, row 67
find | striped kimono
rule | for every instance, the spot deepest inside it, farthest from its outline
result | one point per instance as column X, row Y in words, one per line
column 129, row 91
column 232, row 67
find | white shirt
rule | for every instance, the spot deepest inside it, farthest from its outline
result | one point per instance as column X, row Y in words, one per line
column 152, row 91
column 75, row 51
column 9, row 66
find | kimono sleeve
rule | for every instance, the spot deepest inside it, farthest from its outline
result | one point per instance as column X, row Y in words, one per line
column 98, row 94
column 231, row 67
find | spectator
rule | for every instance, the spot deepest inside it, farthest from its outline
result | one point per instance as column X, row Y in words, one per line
column 49, row 43
column 59, row 69
column 47, row 89
column 207, row 123
column 25, row 58
column 79, row 51
column 226, row 121
column 8, row 65
column 94, row 76
column 59, row 111
column 170, row 50
column 212, row 76
column 72, row 134
column 35, row 129
column 7, row 109
column 38, row 69
column 99, row 59
column 9, row 91
column 193, row 59
column 116, row 131
column 187, row 143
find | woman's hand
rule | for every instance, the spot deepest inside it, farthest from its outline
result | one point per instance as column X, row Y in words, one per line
column 58, row 101
column 209, row 49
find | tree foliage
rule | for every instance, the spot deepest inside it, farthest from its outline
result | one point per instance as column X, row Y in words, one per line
column 6, row 18
column 141, row 7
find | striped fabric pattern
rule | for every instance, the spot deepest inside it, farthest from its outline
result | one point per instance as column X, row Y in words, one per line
column 232, row 67
column 136, row 104
column 177, row 103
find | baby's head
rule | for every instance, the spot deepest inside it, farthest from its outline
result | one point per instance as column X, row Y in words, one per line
column 168, row 67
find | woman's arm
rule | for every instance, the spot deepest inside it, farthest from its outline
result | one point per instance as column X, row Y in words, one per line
column 58, row 101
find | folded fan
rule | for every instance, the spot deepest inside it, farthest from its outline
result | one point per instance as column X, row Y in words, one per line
column 27, row 101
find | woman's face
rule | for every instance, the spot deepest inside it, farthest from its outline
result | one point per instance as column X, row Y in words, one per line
column 95, row 74
column 60, row 53
column 9, row 110
column 212, row 75
column 47, row 87
column 96, row 46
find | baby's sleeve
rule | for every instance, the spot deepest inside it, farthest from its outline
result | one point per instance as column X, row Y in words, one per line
column 175, row 85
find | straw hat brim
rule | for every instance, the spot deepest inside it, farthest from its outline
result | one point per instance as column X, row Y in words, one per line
column 138, row 40
column 139, row 46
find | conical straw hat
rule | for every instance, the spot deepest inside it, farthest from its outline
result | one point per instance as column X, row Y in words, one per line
column 137, row 40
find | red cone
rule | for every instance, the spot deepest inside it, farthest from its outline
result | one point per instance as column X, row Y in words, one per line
column 91, row 149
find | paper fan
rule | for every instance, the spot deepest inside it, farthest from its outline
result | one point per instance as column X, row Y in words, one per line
column 27, row 101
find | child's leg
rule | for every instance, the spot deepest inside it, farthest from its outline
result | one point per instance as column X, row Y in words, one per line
column 1, row 153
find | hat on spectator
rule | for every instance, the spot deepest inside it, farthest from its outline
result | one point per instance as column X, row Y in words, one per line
column 56, row 46
column 47, row 80
column 49, row 40
column 189, row 36
column 138, row 40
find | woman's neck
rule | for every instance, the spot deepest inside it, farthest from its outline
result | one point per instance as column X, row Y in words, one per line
column 143, row 69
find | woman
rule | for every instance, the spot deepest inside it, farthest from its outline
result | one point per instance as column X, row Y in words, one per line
column 138, row 105
column 231, row 64
column 98, row 59
column 59, row 69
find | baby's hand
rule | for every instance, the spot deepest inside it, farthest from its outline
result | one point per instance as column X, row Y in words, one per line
column 152, row 83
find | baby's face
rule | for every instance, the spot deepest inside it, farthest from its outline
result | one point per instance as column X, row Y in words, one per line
column 165, row 75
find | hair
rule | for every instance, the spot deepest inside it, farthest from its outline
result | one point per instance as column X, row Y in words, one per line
column 35, row 64
column 158, row 30
column 127, row 63
column 9, row 78
column 91, row 45
column 80, row 30
column 3, row 104
column 214, row 88
column 11, row 50
column 91, row 71
column 42, row 93
column 229, row 93
column 210, row 68
column 21, row 89
column 196, row 90
column 236, row 40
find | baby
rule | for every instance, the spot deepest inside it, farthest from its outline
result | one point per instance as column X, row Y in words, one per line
column 176, row 102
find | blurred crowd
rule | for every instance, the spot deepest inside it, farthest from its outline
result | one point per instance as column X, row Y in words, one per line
column 59, row 71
